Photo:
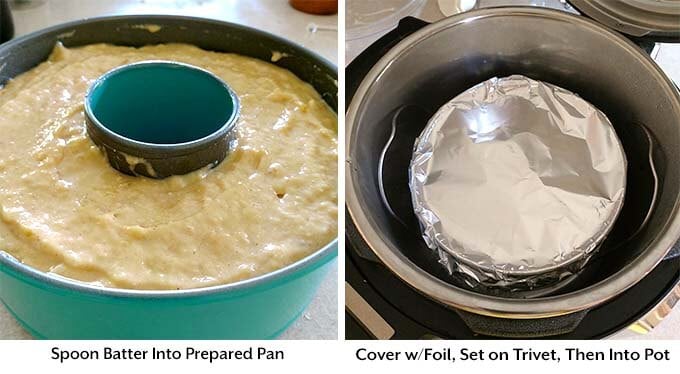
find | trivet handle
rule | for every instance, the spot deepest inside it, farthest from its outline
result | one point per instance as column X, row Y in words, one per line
column 407, row 122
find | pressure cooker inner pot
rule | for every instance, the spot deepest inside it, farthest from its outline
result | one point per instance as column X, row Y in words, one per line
column 574, row 54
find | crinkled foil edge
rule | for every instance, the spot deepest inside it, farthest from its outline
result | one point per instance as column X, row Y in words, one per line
column 489, row 279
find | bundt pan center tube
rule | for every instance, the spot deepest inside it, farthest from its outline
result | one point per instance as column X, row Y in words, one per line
column 139, row 115
column 51, row 306
column 440, row 61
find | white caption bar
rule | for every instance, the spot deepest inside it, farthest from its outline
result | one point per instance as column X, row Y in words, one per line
column 332, row 356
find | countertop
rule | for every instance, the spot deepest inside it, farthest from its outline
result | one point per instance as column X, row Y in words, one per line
column 320, row 320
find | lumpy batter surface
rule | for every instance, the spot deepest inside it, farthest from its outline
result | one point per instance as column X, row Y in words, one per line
column 64, row 210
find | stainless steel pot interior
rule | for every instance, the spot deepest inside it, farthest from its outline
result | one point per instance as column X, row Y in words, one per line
column 444, row 59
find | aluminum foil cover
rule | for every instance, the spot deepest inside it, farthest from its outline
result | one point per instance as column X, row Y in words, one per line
column 515, row 182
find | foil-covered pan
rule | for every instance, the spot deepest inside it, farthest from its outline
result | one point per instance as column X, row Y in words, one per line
column 515, row 183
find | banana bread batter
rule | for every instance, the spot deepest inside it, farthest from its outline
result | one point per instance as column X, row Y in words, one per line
column 66, row 211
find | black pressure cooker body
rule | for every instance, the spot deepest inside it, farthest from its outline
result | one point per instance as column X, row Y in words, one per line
column 413, row 315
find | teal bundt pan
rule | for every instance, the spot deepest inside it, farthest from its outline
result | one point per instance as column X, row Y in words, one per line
column 52, row 307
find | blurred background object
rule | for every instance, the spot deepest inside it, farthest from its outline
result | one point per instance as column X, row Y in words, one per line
column 367, row 20
column 451, row 7
column 276, row 17
column 316, row 6
column 6, row 22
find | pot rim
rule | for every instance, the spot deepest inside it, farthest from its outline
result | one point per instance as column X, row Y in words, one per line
column 308, row 263
column 450, row 295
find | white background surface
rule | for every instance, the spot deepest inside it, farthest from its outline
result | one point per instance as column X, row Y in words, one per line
column 320, row 320
column 340, row 357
